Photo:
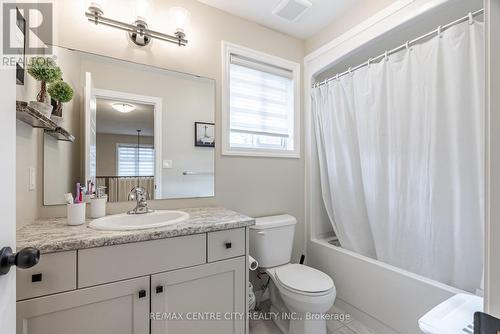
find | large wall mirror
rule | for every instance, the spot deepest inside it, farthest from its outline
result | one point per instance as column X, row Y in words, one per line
column 134, row 125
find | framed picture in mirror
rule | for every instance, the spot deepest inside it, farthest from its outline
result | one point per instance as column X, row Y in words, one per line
column 204, row 134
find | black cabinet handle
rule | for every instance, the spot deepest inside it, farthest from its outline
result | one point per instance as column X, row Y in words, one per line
column 142, row 293
column 159, row 289
column 36, row 278
column 228, row 245
column 25, row 258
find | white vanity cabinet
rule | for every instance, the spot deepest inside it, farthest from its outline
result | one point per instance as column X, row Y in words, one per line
column 202, row 299
column 128, row 288
column 121, row 308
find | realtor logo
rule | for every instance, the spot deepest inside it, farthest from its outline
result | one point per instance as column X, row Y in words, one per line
column 27, row 29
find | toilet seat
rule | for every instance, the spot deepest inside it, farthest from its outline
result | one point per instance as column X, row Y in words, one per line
column 303, row 280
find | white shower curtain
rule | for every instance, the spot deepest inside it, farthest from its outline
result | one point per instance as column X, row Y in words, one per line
column 401, row 156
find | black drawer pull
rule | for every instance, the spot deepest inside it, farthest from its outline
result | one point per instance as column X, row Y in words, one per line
column 142, row 293
column 36, row 278
column 228, row 245
column 159, row 289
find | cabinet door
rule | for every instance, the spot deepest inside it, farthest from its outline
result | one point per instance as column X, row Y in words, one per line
column 117, row 308
column 206, row 299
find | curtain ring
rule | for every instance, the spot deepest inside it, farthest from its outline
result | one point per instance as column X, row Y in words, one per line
column 369, row 62
column 386, row 56
column 349, row 70
column 337, row 77
column 471, row 19
column 407, row 45
column 439, row 31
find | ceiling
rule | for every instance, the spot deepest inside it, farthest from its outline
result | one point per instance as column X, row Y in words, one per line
column 110, row 121
column 314, row 20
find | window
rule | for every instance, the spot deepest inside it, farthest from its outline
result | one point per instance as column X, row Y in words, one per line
column 133, row 162
column 260, row 104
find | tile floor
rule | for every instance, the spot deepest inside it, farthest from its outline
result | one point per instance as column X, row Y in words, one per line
column 348, row 326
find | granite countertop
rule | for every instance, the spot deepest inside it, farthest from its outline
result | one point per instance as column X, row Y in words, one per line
column 53, row 235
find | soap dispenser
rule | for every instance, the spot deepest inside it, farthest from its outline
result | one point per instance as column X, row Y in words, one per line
column 98, row 203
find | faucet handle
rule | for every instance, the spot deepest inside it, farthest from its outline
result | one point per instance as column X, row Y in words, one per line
column 138, row 194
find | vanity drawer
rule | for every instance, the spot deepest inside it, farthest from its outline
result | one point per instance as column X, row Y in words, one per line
column 114, row 263
column 56, row 272
column 226, row 244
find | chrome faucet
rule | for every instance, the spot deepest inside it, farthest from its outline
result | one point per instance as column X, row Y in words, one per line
column 140, row 195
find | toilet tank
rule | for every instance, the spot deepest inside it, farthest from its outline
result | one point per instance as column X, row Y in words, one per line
column 271, row 240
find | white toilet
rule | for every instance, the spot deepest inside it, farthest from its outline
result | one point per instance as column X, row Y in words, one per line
column 301, row 292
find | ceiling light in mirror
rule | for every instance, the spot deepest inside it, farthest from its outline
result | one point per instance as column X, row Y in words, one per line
column 181, row 18
column 123, row 107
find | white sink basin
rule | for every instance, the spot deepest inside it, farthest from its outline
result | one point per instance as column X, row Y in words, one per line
column 126, row 222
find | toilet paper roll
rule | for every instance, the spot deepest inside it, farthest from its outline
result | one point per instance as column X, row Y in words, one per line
column 252, row 263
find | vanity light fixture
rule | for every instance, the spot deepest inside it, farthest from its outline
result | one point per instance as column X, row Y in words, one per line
column 138, row 31
column 123, row 107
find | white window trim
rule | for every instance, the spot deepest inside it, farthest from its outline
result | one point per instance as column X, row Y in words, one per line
column 227, row 50
column 130, row 145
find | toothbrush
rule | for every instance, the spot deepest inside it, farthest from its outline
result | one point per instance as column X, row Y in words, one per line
column 77, row 196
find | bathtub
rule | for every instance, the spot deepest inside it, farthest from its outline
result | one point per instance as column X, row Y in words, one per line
column 388, row 299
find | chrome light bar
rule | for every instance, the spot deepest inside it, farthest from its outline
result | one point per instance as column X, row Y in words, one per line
column 138, row 32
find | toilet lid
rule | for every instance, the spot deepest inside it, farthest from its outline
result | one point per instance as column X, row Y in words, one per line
column 304, row 278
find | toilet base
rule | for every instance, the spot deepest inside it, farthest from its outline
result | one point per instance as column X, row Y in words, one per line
column 290, row 326
column 307, row 326
column 282, row 324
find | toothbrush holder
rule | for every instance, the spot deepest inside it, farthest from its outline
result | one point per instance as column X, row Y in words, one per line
column 98, row 207
column 76, row 213
column 87, row 198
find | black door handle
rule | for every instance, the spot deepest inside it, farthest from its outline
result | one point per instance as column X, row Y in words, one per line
column 142, row 293
column 228, row 245
column 25, row 258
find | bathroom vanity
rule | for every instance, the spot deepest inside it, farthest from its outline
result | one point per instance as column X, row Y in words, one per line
column 157, row 281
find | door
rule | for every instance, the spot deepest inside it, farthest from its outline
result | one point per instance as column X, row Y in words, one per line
column 8, row 197
column 117, row 308
column 207, row 299
column 90, row 130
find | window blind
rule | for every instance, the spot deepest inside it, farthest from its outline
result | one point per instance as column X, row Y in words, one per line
column 129, row 165
column 261, row 102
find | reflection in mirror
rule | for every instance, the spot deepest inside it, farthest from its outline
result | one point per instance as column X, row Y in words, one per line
column 113, row 100
column 125, row 151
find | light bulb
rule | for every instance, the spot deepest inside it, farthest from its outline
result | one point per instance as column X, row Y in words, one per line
column 143, row 10
column 181, row 18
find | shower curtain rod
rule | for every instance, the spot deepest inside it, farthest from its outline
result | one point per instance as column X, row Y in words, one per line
column 437, row 31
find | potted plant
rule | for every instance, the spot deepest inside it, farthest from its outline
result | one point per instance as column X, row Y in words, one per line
column 45, row 70
column 61, row 92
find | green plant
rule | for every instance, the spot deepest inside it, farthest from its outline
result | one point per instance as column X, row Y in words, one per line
column 45, row 70
column 62, row 93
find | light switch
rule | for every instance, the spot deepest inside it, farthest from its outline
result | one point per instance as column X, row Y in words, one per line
column 32, row 178
column 167, row 164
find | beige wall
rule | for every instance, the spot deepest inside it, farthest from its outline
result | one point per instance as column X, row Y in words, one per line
column 362, row 11
column 106, row 151
column 255, row 186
